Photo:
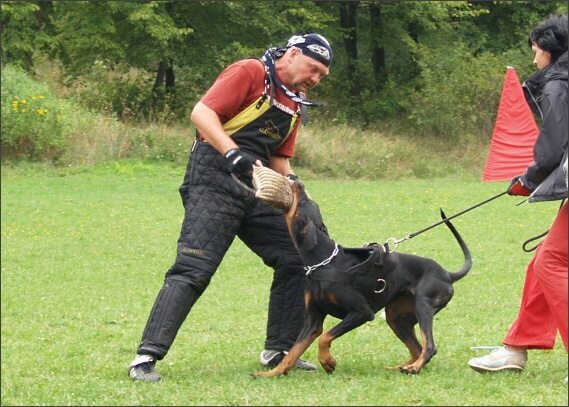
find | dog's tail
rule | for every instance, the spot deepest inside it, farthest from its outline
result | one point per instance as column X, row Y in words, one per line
column 454, row 276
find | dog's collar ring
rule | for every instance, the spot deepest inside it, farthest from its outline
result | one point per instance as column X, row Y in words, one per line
column 382, row 288
column 395, row 243
column 310, row 269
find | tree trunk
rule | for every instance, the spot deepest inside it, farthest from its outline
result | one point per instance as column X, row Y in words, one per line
column 348, row 13
column 377, row 50
column 164, row 84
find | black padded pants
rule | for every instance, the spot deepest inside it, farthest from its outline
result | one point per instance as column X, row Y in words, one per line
column 216, row 210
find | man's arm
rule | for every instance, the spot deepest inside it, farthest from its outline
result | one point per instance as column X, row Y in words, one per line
column 209, row 126
column 280, row 164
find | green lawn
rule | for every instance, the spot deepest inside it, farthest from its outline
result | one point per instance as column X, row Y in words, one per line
column 84, row 252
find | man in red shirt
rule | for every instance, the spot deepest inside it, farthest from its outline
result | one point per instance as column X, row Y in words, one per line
column 250, row 116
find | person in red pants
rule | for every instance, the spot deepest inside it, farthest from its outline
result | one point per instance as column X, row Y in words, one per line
column 543, row 310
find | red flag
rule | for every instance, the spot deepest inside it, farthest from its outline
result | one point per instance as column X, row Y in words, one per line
column 515, row 131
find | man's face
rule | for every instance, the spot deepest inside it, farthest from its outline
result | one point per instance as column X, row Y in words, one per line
column 304, row 72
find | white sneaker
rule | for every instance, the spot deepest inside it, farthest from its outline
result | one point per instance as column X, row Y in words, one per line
column 499, row 360
column 143, row 368
column 271, row 358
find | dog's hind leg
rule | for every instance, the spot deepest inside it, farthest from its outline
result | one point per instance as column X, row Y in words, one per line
column 401, row 318
column 426, row 308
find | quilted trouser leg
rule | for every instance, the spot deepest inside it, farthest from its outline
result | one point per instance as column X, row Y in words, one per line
column 266, row 233
column 286, row 310
column 214, row 206
column 173, row 303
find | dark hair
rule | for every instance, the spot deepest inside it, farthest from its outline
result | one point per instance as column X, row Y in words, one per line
column 551, row 36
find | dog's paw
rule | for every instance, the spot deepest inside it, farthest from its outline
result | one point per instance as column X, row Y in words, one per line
column 409, row 369
column 329, row 365
column 270, row 373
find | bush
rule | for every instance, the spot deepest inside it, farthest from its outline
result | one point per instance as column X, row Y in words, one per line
column 35, row 124
column 459, row 93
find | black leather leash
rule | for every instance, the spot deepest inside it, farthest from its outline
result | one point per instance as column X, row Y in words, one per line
column 396, row 242
column 531, row 239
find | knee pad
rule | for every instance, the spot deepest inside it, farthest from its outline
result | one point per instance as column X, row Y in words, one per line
column 192, row 270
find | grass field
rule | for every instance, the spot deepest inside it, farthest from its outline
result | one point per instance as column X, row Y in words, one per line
column 84, row 252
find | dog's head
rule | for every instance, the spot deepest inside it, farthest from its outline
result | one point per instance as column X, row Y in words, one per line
column 304, row 220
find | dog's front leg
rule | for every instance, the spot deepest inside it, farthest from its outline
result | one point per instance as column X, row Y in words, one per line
column 353, row 319
column 311, row 330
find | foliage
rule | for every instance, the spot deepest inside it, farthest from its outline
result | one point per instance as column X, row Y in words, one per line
column 327, row 149
column 26, row 30
column 459, row 94
column 138, row 33
column 120, row 92
column 35, row 124
column 84, row 251
column 436, row 68
column 381, row 152
column 38, row 126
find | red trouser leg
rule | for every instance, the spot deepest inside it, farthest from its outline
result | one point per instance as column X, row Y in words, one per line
column 543, row 309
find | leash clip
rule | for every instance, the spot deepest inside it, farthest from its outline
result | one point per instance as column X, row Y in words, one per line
column 395, row 243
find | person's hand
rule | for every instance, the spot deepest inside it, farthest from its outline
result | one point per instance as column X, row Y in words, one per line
column 240, row 164
column 517, row 188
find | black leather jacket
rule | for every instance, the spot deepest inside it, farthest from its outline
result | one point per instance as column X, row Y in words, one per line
column 546, row 94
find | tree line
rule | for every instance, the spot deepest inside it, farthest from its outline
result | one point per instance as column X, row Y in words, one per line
column 438, row 66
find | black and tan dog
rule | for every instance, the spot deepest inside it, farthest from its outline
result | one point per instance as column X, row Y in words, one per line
column 353, row 284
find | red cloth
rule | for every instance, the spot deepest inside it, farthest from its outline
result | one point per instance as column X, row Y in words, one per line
column 543, row 310
column 515, row 132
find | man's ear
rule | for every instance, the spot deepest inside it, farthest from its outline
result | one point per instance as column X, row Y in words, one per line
column 294, row 53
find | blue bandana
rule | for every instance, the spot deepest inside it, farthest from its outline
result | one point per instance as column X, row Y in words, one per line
column 314, row 46
column 269, row 61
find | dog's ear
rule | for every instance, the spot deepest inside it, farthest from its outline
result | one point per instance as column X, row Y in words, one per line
column 310, row 236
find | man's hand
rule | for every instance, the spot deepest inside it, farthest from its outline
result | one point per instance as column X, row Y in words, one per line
column 240, row 164
column 517, row 188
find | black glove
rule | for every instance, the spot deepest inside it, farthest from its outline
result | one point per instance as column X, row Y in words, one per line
column 240, row 164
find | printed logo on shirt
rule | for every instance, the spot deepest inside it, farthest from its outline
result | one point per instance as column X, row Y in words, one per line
column 284, row 108
column 270, row 130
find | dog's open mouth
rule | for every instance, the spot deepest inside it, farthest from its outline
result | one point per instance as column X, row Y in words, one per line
column 272, row 188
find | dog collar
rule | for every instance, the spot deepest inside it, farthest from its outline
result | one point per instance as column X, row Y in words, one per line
column 310, row 269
